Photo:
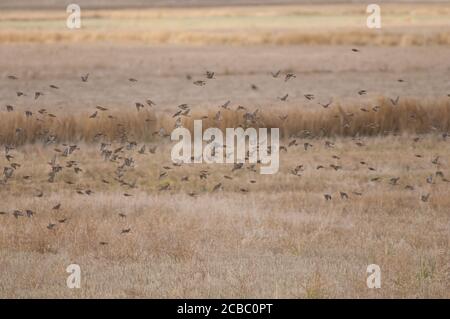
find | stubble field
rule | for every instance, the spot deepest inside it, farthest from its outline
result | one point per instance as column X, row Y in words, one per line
column 363, row 180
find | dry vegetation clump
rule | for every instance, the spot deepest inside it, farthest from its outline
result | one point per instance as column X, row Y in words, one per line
column 380, row 118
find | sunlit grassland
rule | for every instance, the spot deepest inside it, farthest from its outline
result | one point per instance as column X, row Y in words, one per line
column 310, row 24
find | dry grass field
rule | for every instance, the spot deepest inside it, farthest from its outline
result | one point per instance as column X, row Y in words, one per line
column 87, row 177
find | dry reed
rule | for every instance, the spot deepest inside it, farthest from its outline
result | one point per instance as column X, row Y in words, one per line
column 382, row 118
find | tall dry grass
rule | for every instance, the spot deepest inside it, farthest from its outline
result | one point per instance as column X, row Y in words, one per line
column 381, row 117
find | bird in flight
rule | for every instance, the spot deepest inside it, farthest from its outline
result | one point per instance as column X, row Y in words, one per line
column 289, row 76
column 394, row 102
column 276, row 74
column 85, row 77
column 326, row 105
column 199, row 83
column 139, row 105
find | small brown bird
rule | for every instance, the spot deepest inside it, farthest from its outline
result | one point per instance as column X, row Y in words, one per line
column 326, row 105
column 126, row 231
column 343, row 195
column 276, row 74
column 425, row 198
column 199, row 83
column 284, row 98
column 289, row 76
column 139, row 105
column 395, row 102
column 85, row 77
column 17, row 213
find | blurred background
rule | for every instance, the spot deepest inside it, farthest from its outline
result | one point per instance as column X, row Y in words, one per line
column 167, row 45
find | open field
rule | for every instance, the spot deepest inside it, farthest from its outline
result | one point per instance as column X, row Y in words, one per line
column 281, row 239
column 403, row 25
column 86, row 170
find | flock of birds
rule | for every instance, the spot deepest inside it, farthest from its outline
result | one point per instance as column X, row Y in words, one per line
column 122, row 153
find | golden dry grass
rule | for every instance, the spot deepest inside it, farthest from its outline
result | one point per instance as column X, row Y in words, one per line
column 381, row 117
column 403, row 25
column 281, row 239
